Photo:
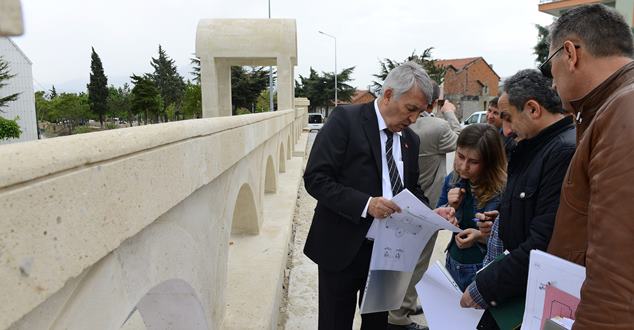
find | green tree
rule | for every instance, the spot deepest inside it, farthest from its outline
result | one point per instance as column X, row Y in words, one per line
column 195, row 62
column 120, row 102
column 246, row 85
column 53, row 93
column 146, row 99
column 319, row 88
column 425, row 59
column 97, row 88
column 8, row 128
column 263, row 102
column 70, row 109
column 541, row 48
column 192, row 102
column 169, row 82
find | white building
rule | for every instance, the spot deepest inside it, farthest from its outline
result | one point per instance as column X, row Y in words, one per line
column 24, row 106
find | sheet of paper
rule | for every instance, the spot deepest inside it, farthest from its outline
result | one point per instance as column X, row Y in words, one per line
column 399, row 240
column 384, row 290
column 440, row 297
column 548, row 270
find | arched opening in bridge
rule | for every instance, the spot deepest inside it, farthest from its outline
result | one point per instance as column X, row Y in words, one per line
column 270, row 185
column 245, row 215
column 282, row 159
column 288, row 147
column 172, row 304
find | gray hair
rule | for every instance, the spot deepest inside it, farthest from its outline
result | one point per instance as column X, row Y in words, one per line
column 406, row 76
column 528, row 85
column 602, row 30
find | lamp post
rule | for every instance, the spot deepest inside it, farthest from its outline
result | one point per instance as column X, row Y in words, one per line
column 335, row 39
column 271, row 106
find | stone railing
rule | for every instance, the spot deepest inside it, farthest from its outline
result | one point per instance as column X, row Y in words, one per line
column 100, row 229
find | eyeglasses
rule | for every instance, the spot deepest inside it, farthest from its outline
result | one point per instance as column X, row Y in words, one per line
column 546, row 67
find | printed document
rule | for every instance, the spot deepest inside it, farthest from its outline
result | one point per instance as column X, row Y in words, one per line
column 546, row 272
column 440, row 297
column 398, row 242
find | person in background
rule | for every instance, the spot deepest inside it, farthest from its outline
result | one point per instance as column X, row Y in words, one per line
column 494, row 118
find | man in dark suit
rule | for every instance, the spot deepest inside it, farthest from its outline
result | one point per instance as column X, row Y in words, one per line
column 363, row 156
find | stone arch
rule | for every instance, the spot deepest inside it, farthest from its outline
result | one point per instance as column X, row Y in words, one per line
column 172, row 304
column 245, row 215
column 270, row 184
column 282, row 163
column 288, row 146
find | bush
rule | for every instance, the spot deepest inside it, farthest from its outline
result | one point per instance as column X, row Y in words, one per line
column 111, row 126
column 9, row 129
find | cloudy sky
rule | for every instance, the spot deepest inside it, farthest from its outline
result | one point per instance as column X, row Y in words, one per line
column 126, row 34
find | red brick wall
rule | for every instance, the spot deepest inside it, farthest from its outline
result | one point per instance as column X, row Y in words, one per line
column 465, row 82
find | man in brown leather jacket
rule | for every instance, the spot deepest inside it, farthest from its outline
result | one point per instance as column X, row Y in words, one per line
column 591, row 54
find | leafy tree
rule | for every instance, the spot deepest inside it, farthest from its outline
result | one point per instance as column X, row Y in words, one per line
column 70, row 109
column 97, row 88
column 53, row 93
column 541, row 48
column 192, row 102
column 8, row 128
column 425, row 59
column 263, row 102
column 146, row 99
column 246, row 85
column 169, row 82
column 120, row 102
column 319, row 88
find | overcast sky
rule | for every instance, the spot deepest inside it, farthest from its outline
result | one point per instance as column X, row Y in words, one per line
column 59, row 34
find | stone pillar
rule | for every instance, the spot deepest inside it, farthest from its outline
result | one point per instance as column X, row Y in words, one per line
column 215, row 84
column 11, row 18
column 285, row 84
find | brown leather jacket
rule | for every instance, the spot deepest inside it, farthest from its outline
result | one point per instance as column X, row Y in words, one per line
column 595, row 220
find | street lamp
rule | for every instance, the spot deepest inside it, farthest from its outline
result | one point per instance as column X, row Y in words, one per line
column 271, row 106
column 334, row 38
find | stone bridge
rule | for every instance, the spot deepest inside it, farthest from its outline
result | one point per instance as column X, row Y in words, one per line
column 182, row 225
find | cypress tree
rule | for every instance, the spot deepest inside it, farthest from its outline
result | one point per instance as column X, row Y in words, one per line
column 97, row 88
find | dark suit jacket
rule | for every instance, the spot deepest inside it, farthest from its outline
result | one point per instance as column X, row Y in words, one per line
column 343, row 171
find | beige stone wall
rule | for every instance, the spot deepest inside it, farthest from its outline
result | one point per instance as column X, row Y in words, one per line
column 93, row 225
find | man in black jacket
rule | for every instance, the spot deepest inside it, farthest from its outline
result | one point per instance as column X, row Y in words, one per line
column 363, row 156
column 535, row 174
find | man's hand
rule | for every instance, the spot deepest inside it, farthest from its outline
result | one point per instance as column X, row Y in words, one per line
column 381, row 208
column 467, row 302
column 486, row 221
column 449, row 213
column 448, row 107
column 467, row 238
column 454, row 197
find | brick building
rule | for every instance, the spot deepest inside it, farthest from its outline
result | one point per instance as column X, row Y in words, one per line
column 470, row 83
column 362, row 96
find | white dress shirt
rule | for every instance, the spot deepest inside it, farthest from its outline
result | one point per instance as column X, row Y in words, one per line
column 386, row 185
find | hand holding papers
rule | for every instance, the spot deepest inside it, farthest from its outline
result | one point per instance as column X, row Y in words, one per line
column 398, row 242
column 400, row 239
